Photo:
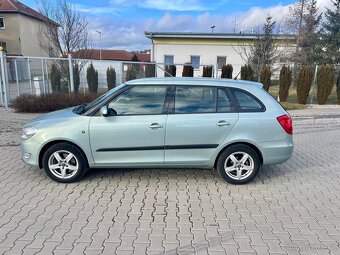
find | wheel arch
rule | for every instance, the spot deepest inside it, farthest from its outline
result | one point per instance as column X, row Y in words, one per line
column 254, row 147
column 50, row 143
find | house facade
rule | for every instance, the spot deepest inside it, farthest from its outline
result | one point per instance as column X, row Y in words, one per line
column 19, row 28
column 201, row 49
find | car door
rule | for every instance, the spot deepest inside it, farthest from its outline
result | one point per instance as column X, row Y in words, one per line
column 201, row 118
column 135, row 135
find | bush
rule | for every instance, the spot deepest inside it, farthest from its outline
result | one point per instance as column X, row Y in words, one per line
column 76, row 78
column 188, row 70
column 92, row 79
column 247, row 73
column 304, row 83
column 285, row 82
column 131, row 73
column 170, row 71
column 265, row 77
column 50, row 102
column 55, row 78
column 325, row 83
column 207, row 71
column 150, row 70
column 227, row 71
column 111, row 77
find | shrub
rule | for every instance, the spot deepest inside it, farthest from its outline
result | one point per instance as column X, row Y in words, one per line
column 247, row 73
column 265, row 77
column 325, row 83
column 170, row 70
column 227, row 71
column 111, row 77
column 150, row 70
column 188, row 70
column 304, row 83
column 76, row 78
column 285, row 82
column 131, row 73
column 55, row 78
column 207, row 71
column 92, row 79
column 50, row 102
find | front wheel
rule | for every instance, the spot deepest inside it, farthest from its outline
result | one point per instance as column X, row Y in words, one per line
column 238, row 164
column 63, row 162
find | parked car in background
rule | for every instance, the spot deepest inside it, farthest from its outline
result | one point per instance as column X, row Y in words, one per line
column 232, row 126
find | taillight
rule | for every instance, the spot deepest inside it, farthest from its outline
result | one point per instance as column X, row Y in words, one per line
column 286, row 123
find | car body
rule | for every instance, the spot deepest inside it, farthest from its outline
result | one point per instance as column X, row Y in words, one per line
column 164, row 123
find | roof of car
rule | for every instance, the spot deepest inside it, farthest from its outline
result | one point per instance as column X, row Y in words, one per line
column 194, row 81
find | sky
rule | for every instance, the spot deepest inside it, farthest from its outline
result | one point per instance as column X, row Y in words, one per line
column 123, row 22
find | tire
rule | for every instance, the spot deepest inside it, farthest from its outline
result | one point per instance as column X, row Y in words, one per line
column 64, row 162
column 238, row 164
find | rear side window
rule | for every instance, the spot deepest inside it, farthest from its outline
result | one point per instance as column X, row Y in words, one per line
column 247, row 102
column 194, row 99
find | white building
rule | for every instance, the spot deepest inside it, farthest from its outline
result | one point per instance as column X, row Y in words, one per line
column 201, row 49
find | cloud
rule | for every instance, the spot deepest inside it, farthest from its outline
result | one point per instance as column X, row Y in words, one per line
column 86, row 9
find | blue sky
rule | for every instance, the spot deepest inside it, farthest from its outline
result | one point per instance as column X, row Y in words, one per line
column 123, row 22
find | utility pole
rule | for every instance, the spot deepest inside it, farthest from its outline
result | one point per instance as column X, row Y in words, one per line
column 234, row 26
column 100, row 44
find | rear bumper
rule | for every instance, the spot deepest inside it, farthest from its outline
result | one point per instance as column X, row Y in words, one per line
column 276, row 152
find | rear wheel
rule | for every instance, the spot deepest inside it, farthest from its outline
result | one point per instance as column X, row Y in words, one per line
column 238, row 164
column 64, row 162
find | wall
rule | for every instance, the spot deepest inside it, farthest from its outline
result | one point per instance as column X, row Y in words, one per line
column 11, row 33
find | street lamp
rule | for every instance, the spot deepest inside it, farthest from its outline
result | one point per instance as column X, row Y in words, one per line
column 212, row 29
column 100, row 44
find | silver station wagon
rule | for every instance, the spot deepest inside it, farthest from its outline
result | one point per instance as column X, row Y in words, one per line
column 231, row 126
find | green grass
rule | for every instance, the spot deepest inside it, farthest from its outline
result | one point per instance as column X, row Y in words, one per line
column 293, row 106
column 292, row 97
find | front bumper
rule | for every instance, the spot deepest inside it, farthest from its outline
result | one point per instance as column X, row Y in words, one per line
column 32, row 147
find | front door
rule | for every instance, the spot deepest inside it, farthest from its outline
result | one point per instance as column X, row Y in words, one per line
column 135, row 136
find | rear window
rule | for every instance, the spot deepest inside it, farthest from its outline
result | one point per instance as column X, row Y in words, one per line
column 247, row 102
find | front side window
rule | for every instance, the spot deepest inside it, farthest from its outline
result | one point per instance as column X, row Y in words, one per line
column 140, row 100
column 221, row 61
column 247, row 102
column 195, row 61
column 2, row 23
column 194, row 99
column 168, row 60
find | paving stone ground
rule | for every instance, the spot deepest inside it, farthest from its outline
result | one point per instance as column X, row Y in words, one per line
column 290, row 208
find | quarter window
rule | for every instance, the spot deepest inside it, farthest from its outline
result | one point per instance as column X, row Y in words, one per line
column 247, row 102
column 195, row 61
column 140, row 100
column 192, row 99
column 2, row 23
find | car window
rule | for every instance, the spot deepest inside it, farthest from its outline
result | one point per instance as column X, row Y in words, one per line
column 140, row 100
column 194, row 99
column 224, row 104
column 247, row 102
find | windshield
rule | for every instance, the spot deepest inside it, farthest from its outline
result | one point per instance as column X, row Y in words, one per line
column 102, row 98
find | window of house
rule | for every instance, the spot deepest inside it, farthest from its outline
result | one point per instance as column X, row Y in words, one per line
column 168, row 59
column 195, row 99
column 221, row 61
column 195, row 61
column 2, row 23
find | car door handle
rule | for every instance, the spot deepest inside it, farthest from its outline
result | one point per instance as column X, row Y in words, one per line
column 155, row 126
column 222, row 123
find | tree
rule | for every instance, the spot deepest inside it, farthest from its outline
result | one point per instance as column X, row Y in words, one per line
column 188, row 70
column 331, row 34
column 76, row 77
column 304, row 84
column 92, row 79
column 111, row 77
column 55, row 78
column 227, row 71
column 265, row 77
column 64, row 31
column 207, row 71
column 325, row 83
column 285, row 82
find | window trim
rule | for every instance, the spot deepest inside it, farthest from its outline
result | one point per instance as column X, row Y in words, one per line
column 226, row 57
column 237, row 104
column 199, row 64
column 3, row 21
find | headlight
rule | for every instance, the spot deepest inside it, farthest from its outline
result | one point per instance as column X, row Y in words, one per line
column 28, row 132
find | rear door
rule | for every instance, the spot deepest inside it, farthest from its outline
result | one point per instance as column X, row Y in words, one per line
column 201, row 118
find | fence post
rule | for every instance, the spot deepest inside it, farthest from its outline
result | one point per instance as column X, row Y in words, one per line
column 314, row 83
column 216, row 70
column 1, row 85
column 70, row 66
column 3, row 77
column 16, row 76
column 43, row 75
column 29, row 75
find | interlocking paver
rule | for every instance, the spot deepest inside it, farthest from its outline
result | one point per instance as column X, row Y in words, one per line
column 290, row 208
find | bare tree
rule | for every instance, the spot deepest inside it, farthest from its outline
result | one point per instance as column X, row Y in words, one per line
column 64, row 31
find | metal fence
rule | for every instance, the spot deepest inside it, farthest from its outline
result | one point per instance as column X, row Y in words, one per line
column 32, row 75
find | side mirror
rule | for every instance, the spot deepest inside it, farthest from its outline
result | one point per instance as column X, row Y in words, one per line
column 104, row 111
